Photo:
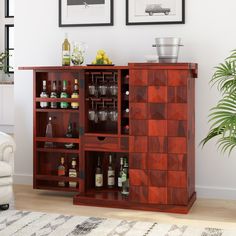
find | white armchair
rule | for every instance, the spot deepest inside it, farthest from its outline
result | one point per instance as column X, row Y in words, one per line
column 7, row 149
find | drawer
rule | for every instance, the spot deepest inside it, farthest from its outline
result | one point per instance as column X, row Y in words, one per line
column 101, row 143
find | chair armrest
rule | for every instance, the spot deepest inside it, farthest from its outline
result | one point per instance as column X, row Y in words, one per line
column 7, row 147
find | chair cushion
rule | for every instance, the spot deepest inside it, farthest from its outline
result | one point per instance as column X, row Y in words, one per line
column 5, row 169
column 6, row 181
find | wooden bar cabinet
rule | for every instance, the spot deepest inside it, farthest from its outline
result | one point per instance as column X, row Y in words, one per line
column 154, row 130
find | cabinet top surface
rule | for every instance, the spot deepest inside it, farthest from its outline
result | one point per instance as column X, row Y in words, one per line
column 129, row 66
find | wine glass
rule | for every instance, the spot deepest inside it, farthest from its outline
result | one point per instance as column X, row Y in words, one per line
column 102, row 88
column 113, row 88
column 102, row 113
column 113, row 114
column 92, row 114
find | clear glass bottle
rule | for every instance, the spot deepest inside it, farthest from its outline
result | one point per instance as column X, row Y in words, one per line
column 53, row 95
column 120, row 174
column 75, row 94
column 66, row 52
column 110, row 174
column 73, row 173
column 125, row 179
column 61, row 171
column 44, row 94
column 49, row 133
column 99, row 174
column 69, row 134
column 64, row 94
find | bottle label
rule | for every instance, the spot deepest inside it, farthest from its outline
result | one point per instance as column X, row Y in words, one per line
column 43, row 104
column 119, row 182
column 123, row 177
column 61, row 172
column 98, row 180
column 111, row 178
column 64, row 104
column 75, row 105
column 65, row 58
column 53, row 104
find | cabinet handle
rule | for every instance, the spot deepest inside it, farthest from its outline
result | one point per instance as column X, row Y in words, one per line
column 100, row 138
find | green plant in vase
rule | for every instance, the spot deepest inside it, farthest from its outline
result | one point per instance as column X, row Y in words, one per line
column 223, row 116
column 3, row 63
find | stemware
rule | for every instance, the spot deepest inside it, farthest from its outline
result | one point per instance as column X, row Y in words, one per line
column 92, row 88
column 113, row 88
column 113, row 114
column 92, row 114
column 102, row 88
column 102, row 113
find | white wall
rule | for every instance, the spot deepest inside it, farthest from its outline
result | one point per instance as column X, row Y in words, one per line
column 208, row 36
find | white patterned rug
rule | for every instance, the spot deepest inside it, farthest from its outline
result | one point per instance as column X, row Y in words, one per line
column 25, row 223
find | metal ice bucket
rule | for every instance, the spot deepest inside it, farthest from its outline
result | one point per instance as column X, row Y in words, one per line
column 168, row 49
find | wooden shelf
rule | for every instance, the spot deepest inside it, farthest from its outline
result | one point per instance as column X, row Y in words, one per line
column 58, row 150
column 57, row 188
column 57, row 110
column 57, row 99
column 56, row 178
column 58, row 140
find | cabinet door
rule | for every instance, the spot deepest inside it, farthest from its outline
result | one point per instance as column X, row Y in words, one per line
column 148, row 136
column 7, row 105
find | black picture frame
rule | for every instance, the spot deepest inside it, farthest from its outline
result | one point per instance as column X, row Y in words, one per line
column 7, row 9
column 9, row 70
column 77, row 24
column 181, row 21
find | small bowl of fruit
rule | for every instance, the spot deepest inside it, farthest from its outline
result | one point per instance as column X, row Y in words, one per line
column 102, row 59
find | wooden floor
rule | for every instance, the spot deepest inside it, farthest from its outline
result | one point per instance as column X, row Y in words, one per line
column 211, row 213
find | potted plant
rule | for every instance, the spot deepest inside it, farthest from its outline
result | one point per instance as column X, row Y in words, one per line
column 3, row 65
column 223, row 116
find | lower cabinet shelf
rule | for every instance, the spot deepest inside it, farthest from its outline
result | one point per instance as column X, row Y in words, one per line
column 49, row 182
column 56, row 178
column 57, row 188
column 114, row 199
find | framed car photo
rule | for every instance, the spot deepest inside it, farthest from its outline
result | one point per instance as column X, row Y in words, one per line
column 85, row 13
column 147, row 12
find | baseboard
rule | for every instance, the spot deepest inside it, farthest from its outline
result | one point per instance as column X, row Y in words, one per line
column 216, row 192
column 24, row 179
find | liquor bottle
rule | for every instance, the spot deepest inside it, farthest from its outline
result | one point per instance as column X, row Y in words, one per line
column 64, row 94
column 66, row 52
column 126, row 129
column 75, row 94
column 53, row 95
column 48, row 133
column 69, row 134
column 120, row 174
column 126, row 112
column 125, row 93
column 98, row 175
column 125, row 179
column 110, row 174
column 61, row 171
column 44, row 94
column 73, row 173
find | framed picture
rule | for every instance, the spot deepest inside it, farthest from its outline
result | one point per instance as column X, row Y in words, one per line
column 147, row 12
column 85, row 12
